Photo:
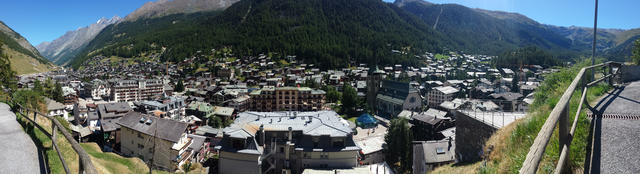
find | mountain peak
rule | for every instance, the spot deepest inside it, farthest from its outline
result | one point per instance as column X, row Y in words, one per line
column 168, row 7
column 111, row 20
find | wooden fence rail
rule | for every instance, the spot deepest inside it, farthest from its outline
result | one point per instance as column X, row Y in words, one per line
column 560, row 116
column 85, row 164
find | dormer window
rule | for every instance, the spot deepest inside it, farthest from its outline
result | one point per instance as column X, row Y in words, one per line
column 338, row 142
column 237, row 144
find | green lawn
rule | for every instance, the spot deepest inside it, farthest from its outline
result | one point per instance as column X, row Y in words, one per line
column 441, row 57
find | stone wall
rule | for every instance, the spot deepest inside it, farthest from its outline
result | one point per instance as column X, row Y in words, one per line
column 630, row 73
column 471, row 136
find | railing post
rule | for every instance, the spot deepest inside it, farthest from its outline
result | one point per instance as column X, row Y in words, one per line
column 53, row 132
column 80, row 166
column 610, row 79
column 563, row 131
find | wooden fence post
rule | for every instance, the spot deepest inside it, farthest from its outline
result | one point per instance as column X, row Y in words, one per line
column 610, row 79
column 563, row 132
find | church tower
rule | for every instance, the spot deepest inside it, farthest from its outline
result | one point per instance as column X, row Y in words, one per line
column 373, row 85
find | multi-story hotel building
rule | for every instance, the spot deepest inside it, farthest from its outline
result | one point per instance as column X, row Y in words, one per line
column 271, row 98
column 135, row 90
column 286, row 142
column 162, row 142
column 441, row 94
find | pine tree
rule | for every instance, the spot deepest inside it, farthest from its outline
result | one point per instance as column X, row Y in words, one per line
column 399, row 140
column 179, row 86
column 349, row 100
column 57, row 93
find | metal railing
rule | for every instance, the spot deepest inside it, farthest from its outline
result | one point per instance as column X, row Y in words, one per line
column 85, row 165
column 560, row 115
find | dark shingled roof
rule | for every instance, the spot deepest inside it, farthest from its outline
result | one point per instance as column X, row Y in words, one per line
column 113, row 110
column 396, row 89
column 109, row 125
column 167, row 129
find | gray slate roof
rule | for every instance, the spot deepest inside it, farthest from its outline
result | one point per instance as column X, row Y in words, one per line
column 166, row 129
column 53, row 105
column 434, row 151
column 112, row 110
column 310, row 123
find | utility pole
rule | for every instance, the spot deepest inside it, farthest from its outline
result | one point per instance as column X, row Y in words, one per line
column 593, row 50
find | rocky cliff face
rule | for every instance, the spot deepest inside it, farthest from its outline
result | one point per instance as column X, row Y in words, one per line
column 64, row 48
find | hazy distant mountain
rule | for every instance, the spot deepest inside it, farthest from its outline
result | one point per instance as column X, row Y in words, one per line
column 168, row 7
column 67, row 46
column 23, row 56
column 483, row 31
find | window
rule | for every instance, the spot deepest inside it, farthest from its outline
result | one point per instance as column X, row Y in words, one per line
column 338, row 143
column 324, row 155
column 140, row 146
column 281, row 149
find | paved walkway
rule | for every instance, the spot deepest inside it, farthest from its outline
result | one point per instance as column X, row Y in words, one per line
column 18, row 153
column 616, row 139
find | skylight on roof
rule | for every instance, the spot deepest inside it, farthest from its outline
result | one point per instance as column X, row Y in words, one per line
column 440, row 150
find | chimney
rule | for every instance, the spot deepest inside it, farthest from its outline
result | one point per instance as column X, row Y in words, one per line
column 290, row 133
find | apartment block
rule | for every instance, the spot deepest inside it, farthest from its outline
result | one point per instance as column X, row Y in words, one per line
column 135, row 90
column 163, row 142
column 271, row 98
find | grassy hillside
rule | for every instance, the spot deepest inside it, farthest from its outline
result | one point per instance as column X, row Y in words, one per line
column 512, row 143
column 10, row 39
column 24, row 64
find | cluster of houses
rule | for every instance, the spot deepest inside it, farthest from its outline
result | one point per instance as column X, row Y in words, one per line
column 259, row 116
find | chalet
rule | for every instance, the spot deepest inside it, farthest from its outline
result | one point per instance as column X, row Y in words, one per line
column 163, row 142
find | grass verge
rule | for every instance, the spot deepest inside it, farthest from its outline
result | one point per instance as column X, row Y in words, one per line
column 512, row 143
column 105, row 162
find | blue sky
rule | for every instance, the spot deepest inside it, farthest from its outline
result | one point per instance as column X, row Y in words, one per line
column 45, row 20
